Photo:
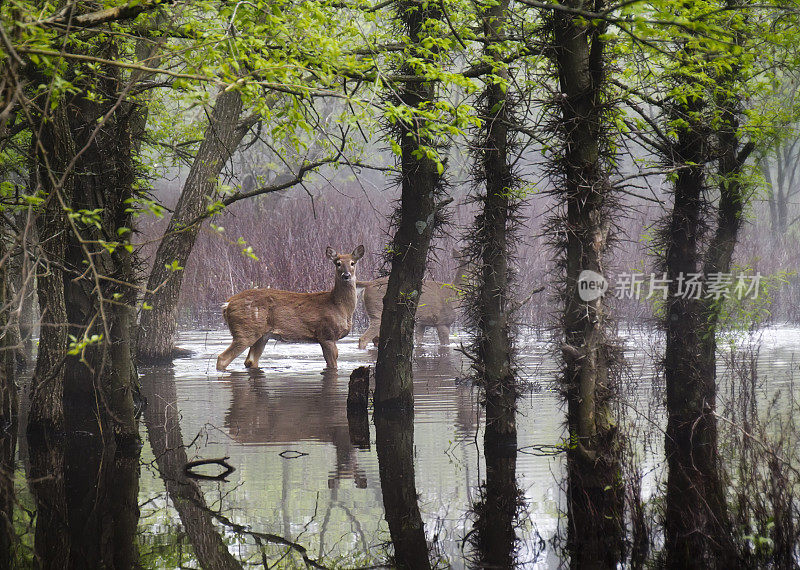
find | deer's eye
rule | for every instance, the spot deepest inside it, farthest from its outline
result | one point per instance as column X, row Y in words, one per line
column 352, row 263
column 338, row 264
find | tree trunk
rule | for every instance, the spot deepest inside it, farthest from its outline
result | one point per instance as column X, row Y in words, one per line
column 594, row 489
column 416, row 221
column 100, row 290
column 51, row 151
column 697, row 525
column 47, row 482
column 9, row 404
column 82, row 159
column 495, row 538
column 394, row 444
column 691, row 439
column 491, row 247
column 222, row 136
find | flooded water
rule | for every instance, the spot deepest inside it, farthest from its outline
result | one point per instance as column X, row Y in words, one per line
column 307, row 481
column 299, row 475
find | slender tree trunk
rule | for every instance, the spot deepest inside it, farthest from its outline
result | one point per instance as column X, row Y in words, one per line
column 691, row 439
column 222, row 136
column 490, row 310
column 416, row 221
column 495, row 539
column 394, row 444
column 9, row 404
column 594, row 488
column 492, row 247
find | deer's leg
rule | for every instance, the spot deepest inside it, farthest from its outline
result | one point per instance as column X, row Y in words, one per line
column 370, row 334
column 234, row 350
column 419, row 333
column 255, row 352
column 444, row 334
column 330, row 352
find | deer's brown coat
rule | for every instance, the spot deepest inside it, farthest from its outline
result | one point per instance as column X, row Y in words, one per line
column 258, row 315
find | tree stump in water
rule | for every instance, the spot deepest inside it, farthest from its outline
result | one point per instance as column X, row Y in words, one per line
column 357, row 398
column 358, row 390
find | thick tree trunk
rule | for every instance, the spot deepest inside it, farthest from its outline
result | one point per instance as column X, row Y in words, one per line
column 87, row 513
column 394, row 444
column 594, row 489
column 697, row 526
column 82, row 159
column 102, row 507
column 416, row 222
column 99, row 290
column 51, row 151
column 222, row 136
column 47, row 482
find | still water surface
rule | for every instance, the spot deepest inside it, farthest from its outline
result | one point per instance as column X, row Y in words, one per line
column 298, row 474
column 306, row 475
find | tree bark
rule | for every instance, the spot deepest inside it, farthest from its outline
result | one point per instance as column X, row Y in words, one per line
column 495, row 537
column 9, row 403
column 82, row 160
column 691, row 438
column 222, row 136
column 492, row 248
column 416, row 222
column 51, row 151
column 697, row 525
column 594, row 488
column 47, row 482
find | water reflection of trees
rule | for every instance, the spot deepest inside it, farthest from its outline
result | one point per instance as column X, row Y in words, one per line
column 162, row 418
column 495, row 537
column 85, row 491
column 394, row 442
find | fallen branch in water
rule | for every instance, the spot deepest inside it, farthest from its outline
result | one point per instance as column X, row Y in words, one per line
column 223, row 462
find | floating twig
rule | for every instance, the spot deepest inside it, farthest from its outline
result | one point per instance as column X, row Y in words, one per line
column 222, row 462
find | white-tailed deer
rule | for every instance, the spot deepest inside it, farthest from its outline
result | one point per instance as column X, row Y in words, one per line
column 258, row 315
column 438, row 307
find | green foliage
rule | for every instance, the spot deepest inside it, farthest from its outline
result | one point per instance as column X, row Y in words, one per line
column 79, row 345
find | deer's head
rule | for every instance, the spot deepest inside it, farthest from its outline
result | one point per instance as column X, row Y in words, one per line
column 345, row 263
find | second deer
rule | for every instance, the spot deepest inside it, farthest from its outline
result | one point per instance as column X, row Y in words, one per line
column 438, row 307
column 258, row 315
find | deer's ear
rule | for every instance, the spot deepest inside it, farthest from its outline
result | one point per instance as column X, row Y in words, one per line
column 331, row 254
column 358, row 253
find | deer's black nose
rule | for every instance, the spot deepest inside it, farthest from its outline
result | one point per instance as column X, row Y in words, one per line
column 346, row 276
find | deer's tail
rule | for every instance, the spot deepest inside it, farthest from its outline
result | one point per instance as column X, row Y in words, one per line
column 225, row 313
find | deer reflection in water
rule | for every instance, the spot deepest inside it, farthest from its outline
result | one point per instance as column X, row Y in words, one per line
column 267, row 411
